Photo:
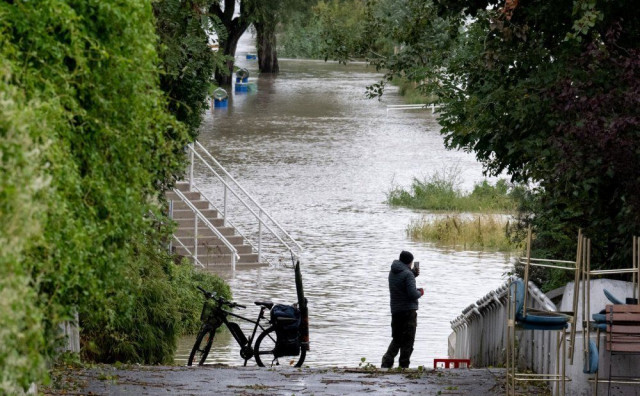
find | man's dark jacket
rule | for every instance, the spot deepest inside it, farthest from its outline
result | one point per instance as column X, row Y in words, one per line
column 402, row 288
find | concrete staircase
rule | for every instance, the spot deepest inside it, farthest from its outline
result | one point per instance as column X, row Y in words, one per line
column 211, row 252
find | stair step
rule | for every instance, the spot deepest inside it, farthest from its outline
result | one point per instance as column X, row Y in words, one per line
column 183, row 186
column 215, row 255
column 209, row 245
column 188, row 214
column 190, row 195
column 198, row 204
column 226, row 258
column 207, row 233
column 190, row 223
column 187, row 230
column 248, row 258
column 224, row 263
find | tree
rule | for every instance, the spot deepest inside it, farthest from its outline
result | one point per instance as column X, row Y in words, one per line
column 267, row 17
column 545, row 91
column 187, row 60
column 234, row 28
column 266, row 23
column 88, row 149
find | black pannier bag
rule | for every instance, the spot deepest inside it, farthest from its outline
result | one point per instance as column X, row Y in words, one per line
column 287, row 329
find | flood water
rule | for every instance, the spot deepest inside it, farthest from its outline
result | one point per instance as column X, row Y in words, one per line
column 320, row 157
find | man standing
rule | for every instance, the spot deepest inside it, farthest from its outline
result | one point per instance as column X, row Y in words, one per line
column 404, row 306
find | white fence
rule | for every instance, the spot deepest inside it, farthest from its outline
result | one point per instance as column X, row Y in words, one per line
column 479, row 335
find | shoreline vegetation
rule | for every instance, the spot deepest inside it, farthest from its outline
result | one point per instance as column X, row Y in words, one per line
column 488, row 226
column 441, row 192
column 479, row 232
column 411, row 93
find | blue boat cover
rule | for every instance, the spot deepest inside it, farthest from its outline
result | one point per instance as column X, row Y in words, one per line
column 592, row 366
column 516, row 290
column 611, row 297
column 601, row 325
column 546, row 319
column 543, row 326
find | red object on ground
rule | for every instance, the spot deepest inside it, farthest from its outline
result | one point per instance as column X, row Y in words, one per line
column 449, row 362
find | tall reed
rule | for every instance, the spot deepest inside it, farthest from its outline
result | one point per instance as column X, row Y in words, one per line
column 486, row 232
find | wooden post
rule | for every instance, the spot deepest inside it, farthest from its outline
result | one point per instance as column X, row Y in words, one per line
column 576, row 290
column 526, row 273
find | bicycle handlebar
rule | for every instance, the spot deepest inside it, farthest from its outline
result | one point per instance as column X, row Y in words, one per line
column 220, row 300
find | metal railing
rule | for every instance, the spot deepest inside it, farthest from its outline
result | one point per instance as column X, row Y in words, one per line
column 419, row 106
column 231, row 186
column 193, row 256
column 226, row 221
column 198, row 216
column 480, row 329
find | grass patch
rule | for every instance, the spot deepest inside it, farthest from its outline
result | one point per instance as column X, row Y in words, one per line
column 411, row 93
column 488, row 232
column 441, row 192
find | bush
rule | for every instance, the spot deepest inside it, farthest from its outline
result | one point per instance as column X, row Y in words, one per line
column 411, row 93
column 22, row 181
column 185, row 279
column 88, row 148
column 440, row 192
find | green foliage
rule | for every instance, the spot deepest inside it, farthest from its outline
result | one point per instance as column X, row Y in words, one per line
column 475, row 233
column 22, row 183
column 189, row 299
column 411, row 92
column 441, row 192
column 187, row 60
column 300, row 36
column 544, row 91
column 342, row 27
column 88, row 149
column 229, row 26
column 366, row 366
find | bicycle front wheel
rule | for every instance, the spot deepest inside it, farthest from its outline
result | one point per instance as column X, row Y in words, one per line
column 265, row 351
column 202, row 346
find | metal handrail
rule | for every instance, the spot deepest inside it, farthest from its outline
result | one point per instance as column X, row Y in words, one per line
column 261, row 222
column 417, row 106
column 245, row 205
column 176, row 238
column 248, row 195
column 188, row 251
column 226, row 221
column 234, row 256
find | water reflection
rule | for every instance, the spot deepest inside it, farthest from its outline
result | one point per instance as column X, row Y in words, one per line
column 320, row 156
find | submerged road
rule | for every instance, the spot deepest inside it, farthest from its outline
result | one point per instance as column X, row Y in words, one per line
column 222, row 380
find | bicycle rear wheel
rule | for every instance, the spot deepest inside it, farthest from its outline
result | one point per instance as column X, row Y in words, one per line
column 265, row 347
column 202, row 346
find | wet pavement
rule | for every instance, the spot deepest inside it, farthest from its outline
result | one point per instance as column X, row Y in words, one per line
column 217, row 380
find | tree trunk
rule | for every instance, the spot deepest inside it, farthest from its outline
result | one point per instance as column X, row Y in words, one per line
column 267, row 54
column 229, row 48
column 235, row 28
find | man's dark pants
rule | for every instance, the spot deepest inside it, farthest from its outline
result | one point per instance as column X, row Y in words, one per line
column 403, row 333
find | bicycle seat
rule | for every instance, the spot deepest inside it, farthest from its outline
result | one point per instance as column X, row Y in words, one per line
column 266, row 304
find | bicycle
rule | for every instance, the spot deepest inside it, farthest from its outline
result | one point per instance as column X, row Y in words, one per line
column 214, row 315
